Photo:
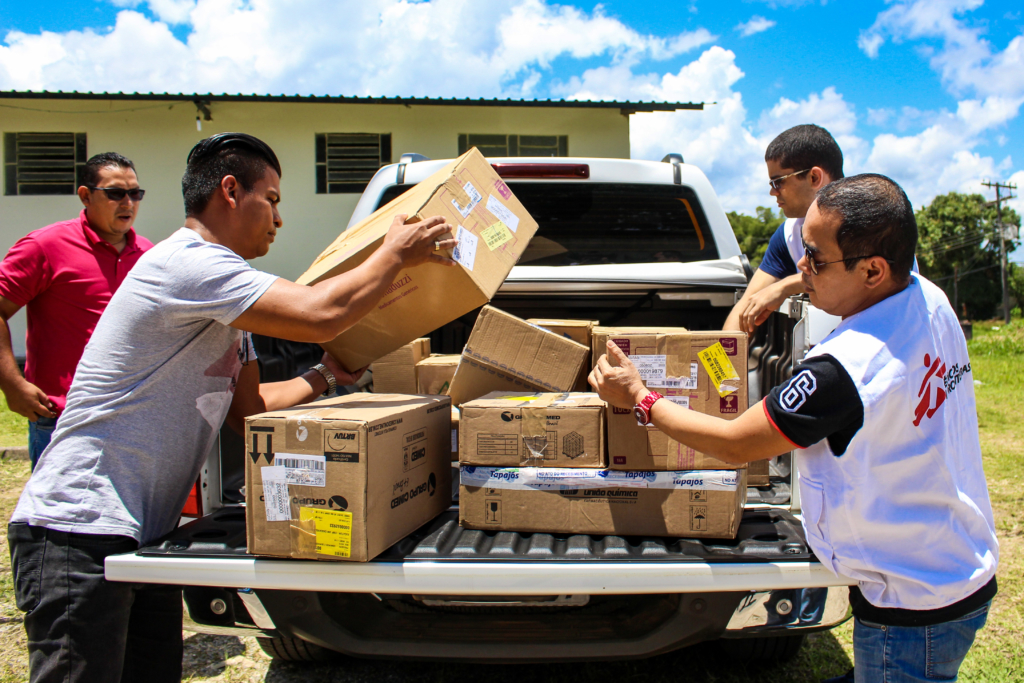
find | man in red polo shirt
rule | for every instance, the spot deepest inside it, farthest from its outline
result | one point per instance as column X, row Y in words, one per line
column 66, row 273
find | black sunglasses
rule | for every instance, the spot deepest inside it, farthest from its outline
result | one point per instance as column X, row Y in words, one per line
column 809, row 255
column 116, row 194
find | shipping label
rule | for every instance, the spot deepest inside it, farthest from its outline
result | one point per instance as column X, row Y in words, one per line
column 650, row 367
column 333, row 530
column 474, row 198
column 720, row 369
column 502, row 213
column 303, row 470
column 275, row 494
column 676, row 382
column 683, row 401
column 496, row 235
column 465, row 250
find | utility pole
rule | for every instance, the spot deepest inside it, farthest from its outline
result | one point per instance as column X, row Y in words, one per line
column 1002, row 241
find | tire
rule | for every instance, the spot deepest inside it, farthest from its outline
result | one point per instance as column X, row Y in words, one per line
column 296, row 650
column 777, row 649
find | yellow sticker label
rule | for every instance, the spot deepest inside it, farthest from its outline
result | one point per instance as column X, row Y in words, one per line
column 333, row 530
column 496, row 235
column 720, row 369
column 519, row 398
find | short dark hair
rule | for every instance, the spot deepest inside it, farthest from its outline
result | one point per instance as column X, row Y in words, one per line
column 91, row 170
column 236, row 154
column 876, row 218
column 806, row 146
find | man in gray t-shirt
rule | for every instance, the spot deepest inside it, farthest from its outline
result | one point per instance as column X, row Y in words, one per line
column 168, row 364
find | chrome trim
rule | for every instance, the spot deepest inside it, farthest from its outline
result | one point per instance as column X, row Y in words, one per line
column 801, row 609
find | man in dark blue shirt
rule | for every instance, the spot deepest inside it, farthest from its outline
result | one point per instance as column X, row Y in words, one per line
column 800, row 162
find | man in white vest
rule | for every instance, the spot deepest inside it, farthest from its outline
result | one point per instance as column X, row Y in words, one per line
column 890, row 474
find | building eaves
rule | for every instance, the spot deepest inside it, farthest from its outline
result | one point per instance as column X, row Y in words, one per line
column 625, row 106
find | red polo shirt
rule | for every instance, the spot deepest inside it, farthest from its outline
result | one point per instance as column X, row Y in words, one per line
column 65, row 273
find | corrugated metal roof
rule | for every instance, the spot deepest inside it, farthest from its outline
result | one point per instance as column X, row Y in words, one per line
column 625, row 106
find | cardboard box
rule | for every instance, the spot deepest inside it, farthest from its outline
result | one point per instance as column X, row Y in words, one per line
column 396, row 373
column 577, row 330
column 694, row 504
column 757, row 473
column 599, row 337
column 456, row 419
column 345, row 478
column 506, row 353
column 434, row 374
column 493, row 230
column 505, row 429
column 671, row 363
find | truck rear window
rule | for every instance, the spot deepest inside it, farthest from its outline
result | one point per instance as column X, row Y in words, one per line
column 596, row 223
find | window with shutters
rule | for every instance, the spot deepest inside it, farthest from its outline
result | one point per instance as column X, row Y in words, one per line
column 43, row 163
column 515, row 145
column 345, row 162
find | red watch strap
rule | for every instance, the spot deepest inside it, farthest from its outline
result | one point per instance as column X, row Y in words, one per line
column 648, row 402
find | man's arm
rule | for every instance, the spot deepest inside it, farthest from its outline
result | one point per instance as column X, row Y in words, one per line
column 253, row 398
column 747, row 438
column 763, row 303
column 322, row 312
column 759, row 281
column 23, row 397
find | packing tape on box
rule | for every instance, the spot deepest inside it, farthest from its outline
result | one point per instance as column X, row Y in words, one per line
column 558, row 479
column 533, row 427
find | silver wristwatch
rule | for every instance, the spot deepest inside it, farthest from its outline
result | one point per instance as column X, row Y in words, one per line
column 332, row 383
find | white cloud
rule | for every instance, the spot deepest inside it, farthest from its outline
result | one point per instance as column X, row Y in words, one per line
column 169, row 11
column 757, row 24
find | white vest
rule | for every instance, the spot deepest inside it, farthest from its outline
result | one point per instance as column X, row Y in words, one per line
column 905, row 510
column 792, row 230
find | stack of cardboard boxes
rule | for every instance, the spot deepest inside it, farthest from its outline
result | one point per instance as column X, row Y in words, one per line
column 345, row 478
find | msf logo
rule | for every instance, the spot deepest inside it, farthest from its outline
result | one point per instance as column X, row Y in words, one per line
column 927, row 406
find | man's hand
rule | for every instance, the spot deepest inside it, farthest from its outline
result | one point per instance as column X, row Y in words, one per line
column 28, row 400
column 342, row 376
column 761, row 305
column 619, row 384
column 414, row 243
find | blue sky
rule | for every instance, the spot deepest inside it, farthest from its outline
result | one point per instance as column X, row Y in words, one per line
column 926, row 91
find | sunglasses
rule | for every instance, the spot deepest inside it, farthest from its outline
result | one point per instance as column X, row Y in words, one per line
column 814, row 265
column 116, row 194
column 776, row 183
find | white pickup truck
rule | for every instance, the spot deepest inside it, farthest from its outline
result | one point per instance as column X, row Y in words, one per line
column 620, row 241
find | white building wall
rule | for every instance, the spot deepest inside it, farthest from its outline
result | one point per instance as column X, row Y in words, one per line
column 158, row 136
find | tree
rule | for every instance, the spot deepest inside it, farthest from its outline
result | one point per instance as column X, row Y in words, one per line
column 753, row 232
column 957, row 235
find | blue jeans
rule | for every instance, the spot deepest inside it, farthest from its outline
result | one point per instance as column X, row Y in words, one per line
column 912, row 654
column 39, row 434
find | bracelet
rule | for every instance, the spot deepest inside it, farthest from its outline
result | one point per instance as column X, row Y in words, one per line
column 332, row 383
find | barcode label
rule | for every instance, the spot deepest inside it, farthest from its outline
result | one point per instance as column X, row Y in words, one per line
column 275, row 494
column 303, row 470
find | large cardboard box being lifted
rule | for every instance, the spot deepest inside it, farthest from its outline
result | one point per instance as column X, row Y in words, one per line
column 397, row 372
column 345, row 478
column 493, row 230
column 506, row 353
column 505, row 429
column 694, row 504
column 671, row 363
column 434, row 374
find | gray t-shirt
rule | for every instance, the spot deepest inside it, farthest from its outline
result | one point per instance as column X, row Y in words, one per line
column 150, row 394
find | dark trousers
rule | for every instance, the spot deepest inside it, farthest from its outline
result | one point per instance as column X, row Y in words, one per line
column 82, row 628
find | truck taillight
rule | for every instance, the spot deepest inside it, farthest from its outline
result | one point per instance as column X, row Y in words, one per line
column 575, row 171
column 194, row 502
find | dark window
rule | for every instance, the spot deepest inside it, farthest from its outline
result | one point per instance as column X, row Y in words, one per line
column 593, row 223
column 516, row 145
column 345, row 162
column 43, row 163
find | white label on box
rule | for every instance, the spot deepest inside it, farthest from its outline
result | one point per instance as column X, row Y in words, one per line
column 676, row 382
column 474, row 199
column 275, row 494
column 683, row 401
column 551, row 479
column 502, row 213
column 649, row 367
column 303, row 470
column 465, row 250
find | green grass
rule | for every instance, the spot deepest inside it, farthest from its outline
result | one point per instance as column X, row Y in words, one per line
column 13, row 427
